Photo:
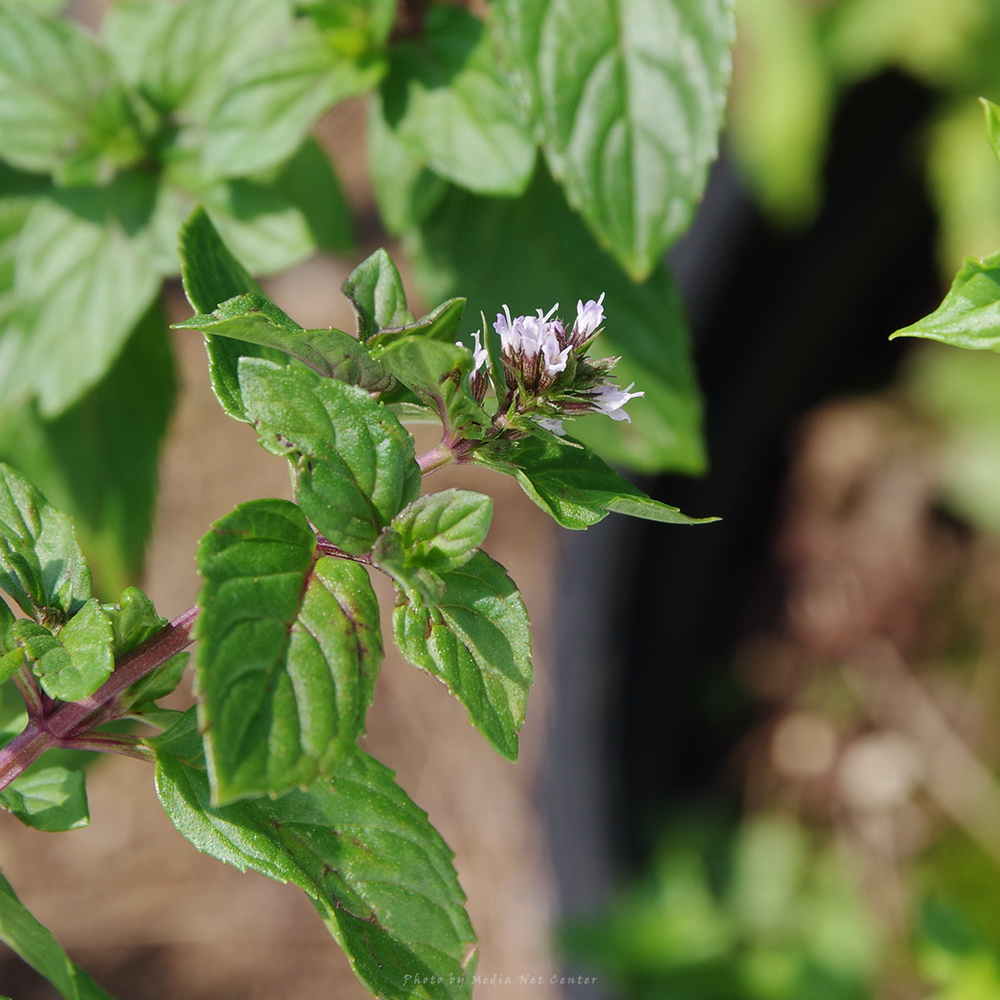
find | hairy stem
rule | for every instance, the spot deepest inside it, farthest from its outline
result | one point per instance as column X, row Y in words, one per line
column 441, row 455
column 65, row 723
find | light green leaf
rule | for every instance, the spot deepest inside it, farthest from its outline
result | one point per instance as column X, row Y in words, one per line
column 992, row 112
column 82, row 286
column 353, row 460
column 435, row 533
column 569, row 482
column 78, row 659
column 212, row 275
column 60, row 107
column 331, row 353
column 476, row 639
column 377, row 872
column 50, row 799
column 406, row 189
column 288, row 652
column 132, row 31
column 375, row 291
column 273, row 102
column 133, row 620
column 437, row 373
column 629, row 97
column 969, row 316
column 41, row 565
column 352, row 25
column 24, row 935
column 444, row 99
column 98, row 460
column 533, row 252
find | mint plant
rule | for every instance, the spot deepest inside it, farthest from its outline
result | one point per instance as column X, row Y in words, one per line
column 108, row 141
column 265, row 771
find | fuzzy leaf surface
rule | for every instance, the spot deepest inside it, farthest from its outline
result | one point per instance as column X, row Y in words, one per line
column 331, row 353
column 377, row 872
column 353, row 460
column 435, row 533
column 572, row 484
column 445, row 100
column 41, row 565
column 375, row 291
column 629, row 96
column 51, row 799
column 25, row 936
column 288, row 655
column 212, row 275
column 969, row 316
column 74, row 662
column 476, row 639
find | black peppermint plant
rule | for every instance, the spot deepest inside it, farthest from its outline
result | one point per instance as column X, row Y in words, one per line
column 265, row 772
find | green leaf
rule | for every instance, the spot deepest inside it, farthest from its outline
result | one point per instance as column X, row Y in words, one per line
column 532, row 252
column 41, row 565
column 50, row 799
column 131, row 31
column 288, row 652
column 992, row 112
column 82, row 284
column 98, row 460
column 569, row 482
column 375, row 291
column 353, row 460
column 445, row 100
column 406, row 189
column 477, row 640
column 76, row 661
column 274, row 221
column 133, row 621
column 437, row 372
column 24, row 935
column 352, row 25
column 629, row 98
column 377, row 872
column 60, row 107
column 331, row 353
column 200, row 48
column 969, row 316
column 212, row 275
column 275, row 99
column 435, row 533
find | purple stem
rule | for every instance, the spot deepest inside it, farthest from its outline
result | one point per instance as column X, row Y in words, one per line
column 66, row 722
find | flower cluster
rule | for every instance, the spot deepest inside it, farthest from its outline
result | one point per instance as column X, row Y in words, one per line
column 546, row 371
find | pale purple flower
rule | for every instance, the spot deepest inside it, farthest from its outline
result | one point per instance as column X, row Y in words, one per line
column 551, row 424
column 609, row 399
column 479, row 353
column 588, row 318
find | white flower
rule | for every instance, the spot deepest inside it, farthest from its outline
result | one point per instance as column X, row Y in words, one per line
column 479, row 353
column 609, row 399
column 588, row 318
column 551, row 424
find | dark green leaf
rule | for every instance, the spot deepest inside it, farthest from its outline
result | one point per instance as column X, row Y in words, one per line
column 133, row 621
column 98, row 460
column 139, row 699
column 50, row 799
column 352, row 25
column 41, row 566
column 445, row 100
column 435, row 533
column 275, row 99
column 441, row 323
column 477, row 640
column 59, row 103
column 353, row 460
column 569, row 482
column 437, row 373
column 969, row 316
column 533, row 252
column 332, row 353
column 288, row 652
column 375, row 291
column 375, row 869
column 82, row 285
column 78, row 659
column 212, row 275
column 406, row 189
column 24, row 935
column 629, row 99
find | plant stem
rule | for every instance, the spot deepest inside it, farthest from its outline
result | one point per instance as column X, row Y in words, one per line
column 66, row 722
column 441, row 455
